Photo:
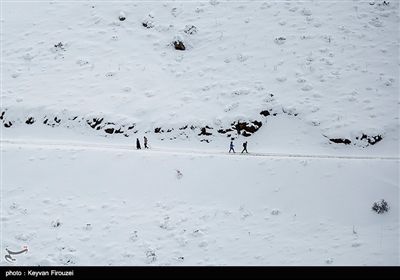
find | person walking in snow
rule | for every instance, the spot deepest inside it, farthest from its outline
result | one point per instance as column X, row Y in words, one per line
column 245, row 147
column 145, row 142
column 137, row 144
column 231, row 147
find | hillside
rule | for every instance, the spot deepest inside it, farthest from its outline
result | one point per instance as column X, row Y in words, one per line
column 312, row 86
column 247, row 68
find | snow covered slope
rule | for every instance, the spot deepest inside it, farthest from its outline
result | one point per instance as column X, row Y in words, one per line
column 325, row 69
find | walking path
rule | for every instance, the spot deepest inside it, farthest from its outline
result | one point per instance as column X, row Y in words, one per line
column 132, row 147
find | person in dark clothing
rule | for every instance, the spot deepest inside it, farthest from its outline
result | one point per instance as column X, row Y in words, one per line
column 245, row 147
column 231, row 147
column 145, row 142
column 137, row 144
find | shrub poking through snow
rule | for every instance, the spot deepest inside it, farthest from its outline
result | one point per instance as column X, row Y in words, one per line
column 178, row 174
column 280, row 40
column 55, row 223
column 380, row 206
column 59, row 46
column 190, row 29
column 150, row 256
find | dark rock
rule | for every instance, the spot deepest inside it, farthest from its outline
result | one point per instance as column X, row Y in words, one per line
column 30, row 120
column 340, row 141
column 239, row 126
column 148, row 24
column 95, row 122
column 179, row 45
column 122, row 16
column 257, row 124
column 204, row 132
column 265, row 113
column 109, row 130
column 372, row 140
column 223, row 131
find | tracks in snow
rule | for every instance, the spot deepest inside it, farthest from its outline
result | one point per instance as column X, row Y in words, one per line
column 182, row 151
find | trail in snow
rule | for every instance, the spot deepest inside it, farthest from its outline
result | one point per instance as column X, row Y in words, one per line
column 206, row 152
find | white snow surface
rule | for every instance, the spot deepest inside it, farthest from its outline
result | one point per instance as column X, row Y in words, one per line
column 79, row 86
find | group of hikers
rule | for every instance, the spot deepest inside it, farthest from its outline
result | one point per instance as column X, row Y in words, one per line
column 231, row 145
column 144, row 141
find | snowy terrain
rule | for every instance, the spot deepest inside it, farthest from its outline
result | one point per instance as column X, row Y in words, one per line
column 312, row 86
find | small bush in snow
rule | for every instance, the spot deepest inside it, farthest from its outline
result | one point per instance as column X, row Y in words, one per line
column 55, row 223
column 178, row 174
column 59, row 46
column 280, row 40
column 380, row 206
column 150, row 256
column 275, row 212
column 190, row 29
